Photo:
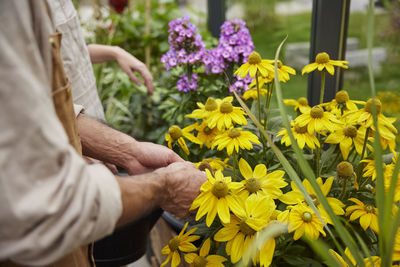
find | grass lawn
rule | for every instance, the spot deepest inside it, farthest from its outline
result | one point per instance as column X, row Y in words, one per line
column 297, row 27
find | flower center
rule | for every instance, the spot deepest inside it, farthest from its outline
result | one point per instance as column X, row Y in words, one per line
column 378, row 104
column 317, row 112
column 314, row 199
column 299, row 129
column 322, row 58
column 226, row 107
column 303, row 101
column 220, row 189
column 175, row 132
column 253, row 185
column 369, row 208
column 233, row 133
column 199, row 261
column 207, row 130
column 254, row 58
column 245, row 229
column 342, row 97
column 174, row 244
column 350, row 131
column 211, row 104
column 344, row 169
column 306, row 216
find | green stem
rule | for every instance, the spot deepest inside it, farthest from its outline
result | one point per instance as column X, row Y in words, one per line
column 365, row 142
column 258, row 98
column 235, row 166
column 321, row 99
column 343, row 189
column 365, row 183
column 318, row 156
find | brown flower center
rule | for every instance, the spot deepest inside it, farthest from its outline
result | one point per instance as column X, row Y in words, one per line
column 245, row 228
column 211, row 104
column 226, row 107
column 369, row 208
column 317, row 112
column 220, row 189
column 199, row 261
column 299, row 129
column 254, row 58
column 344, row 169
column 303, row 101
column 174, row 244
column 207, row 130
column 233, row 133
column 253, row 185
column 342, row 97
column 306, row 216
column 322, row 58
column 205, row 165
column 378, row 104
column 350, row 131
column 175, row 132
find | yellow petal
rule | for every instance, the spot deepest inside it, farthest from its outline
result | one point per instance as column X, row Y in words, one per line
column 245, row 169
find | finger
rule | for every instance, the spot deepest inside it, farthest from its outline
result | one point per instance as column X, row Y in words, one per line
column 111, row 167
column 133, row 77
column 147, row 78
column 173, row 157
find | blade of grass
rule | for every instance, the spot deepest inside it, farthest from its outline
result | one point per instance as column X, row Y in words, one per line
column 323, row 250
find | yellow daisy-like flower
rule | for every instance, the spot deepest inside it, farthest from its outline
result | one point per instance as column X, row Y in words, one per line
column 295, row 197
column 375, row 259
column 204, row 110
column 234, row 139
column 260, row 182
column 227, row 115
column 322, row 61
column 318, row 120
column 367, row 214
column 364, row 117
column 302, row 136
column 303, row 220
column 203, row 259
column 206, row 134
column 252, row 93
column 283, row 71
column 255, row 63
column 183, row 243
column 176, row 134
column 261, row 81
column 215, row 163
column 346, row 137
column 342, row 104
column 388, row 174
column 216, row 197
column 369, row 169
column 242, row 230
column 299, row 105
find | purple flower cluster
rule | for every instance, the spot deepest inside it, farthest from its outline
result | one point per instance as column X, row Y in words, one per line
column 186, row 46
column 235, row 46
column 241, row 84
column 184, row 85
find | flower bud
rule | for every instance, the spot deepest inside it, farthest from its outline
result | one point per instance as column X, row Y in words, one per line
column 344, row 169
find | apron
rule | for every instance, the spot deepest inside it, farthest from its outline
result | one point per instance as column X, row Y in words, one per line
column 62, row 100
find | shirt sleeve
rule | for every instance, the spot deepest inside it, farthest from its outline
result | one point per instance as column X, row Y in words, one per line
column 78, row 109
column 51, row 201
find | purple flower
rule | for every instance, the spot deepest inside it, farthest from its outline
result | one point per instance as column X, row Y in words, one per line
column 184, row 85
column 241, row 84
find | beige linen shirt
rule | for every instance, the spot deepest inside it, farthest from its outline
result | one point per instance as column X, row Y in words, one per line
column 51, row 201
column 75, row 56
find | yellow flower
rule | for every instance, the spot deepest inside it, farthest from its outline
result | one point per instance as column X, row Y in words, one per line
column 216, row 198
column 202, row 260
column 303, row 220
column 299, row 105
column 375, row 259
column 226, row 115
column 322, row 61
column 234, row 139
column 205, row 110
column 259, row 181
column 318, row 120
column 252, row 93
column 182, row 243
column 295, row 197
column 176, row 134
column 366, row 213
column 390, row 102
column 283, row 71
column 369, row 169
column 346, row 136
column 388, row 174
column 243, row 228
column 302, row 136
column 254, row 64
column 215, row 163
column 206, row 134
column 261, row 81
column 342, row 104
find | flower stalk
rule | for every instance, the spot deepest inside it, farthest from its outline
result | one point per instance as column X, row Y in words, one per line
column 321, row 98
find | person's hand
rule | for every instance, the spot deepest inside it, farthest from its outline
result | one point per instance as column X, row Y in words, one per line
column 110, row 166
column 149, row 156
column 129, row 64
column 182, row 185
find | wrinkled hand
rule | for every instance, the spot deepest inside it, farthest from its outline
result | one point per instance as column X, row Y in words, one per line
column 183, row 182
column 110, row 166
column 149, row 156
column 129, row 64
